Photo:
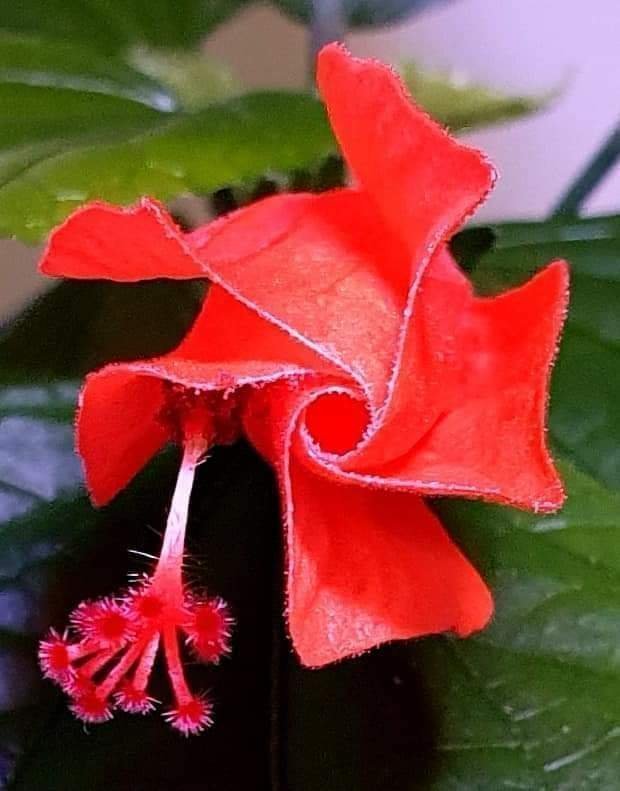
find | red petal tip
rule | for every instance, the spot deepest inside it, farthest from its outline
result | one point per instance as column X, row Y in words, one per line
column 476, row 617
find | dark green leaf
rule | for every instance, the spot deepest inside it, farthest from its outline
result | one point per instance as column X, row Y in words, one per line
column 79, row 326
column 533, row 702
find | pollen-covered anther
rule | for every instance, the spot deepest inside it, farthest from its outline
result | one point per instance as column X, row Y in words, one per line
column 55, row 658
column 106, row 622
column 208, row 628
column 192, row 716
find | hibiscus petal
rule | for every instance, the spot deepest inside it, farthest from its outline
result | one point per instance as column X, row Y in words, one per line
column 326, row 269
column 423, row 182
column 490, row 440
column 141, row 242
column 366, row 566
column 118, row 429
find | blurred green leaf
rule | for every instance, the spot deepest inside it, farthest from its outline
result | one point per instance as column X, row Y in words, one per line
column 195, row 79
column 461, row 104
column 224, row 144
column 80, row 126
column 38, row 474
column 115, row 25
column 28, row 63
column 101, row 322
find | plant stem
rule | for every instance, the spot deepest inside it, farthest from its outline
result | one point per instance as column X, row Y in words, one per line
column 591, row 176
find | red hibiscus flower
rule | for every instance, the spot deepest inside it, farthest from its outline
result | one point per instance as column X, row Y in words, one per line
column 342, row 338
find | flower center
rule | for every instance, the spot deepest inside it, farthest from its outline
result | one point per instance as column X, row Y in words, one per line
column 212, row 415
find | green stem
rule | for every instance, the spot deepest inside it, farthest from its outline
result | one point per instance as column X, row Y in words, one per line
column 591, row 176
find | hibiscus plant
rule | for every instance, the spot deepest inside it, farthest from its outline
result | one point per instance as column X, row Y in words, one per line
column 325, row 482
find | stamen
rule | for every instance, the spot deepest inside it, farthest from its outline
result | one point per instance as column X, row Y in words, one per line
column 124, row 665
column 110, row 660
column 92, row 666
column 214, row 415
column 175, row 667
column 132, row 696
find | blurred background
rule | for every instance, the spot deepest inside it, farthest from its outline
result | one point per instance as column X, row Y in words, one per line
column 526, row 47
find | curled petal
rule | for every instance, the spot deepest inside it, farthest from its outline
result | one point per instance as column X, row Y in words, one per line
column 141, row 242
column 367, row 566
column 423, row 182
column 118, row 429
column 490, row 438
column 426, row 372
